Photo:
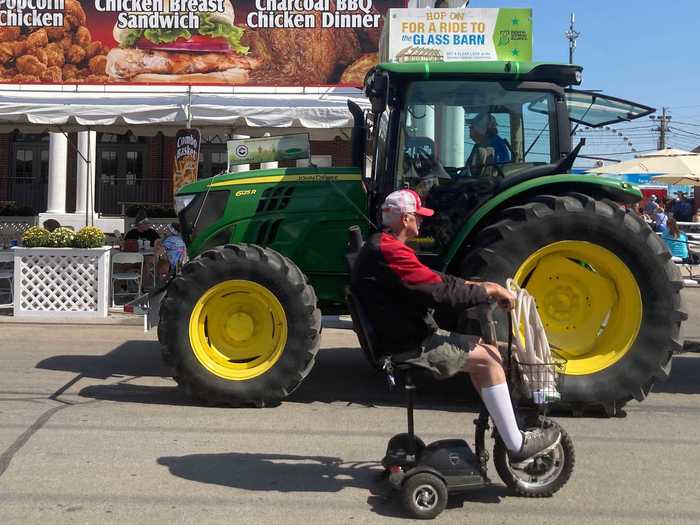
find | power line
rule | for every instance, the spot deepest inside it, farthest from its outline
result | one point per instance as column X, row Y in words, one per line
column 679, row 130
column 621, row 152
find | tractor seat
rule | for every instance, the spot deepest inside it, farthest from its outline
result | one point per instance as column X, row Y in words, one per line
column 361, row 322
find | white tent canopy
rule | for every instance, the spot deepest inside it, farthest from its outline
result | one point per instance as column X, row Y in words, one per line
column 146, row 110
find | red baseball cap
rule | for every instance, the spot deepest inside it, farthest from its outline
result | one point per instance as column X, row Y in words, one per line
column 406, row 201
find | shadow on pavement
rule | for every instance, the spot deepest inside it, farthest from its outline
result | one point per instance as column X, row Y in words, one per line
column 685, row 377
column 132, row 358
column 289, row 473
column 340, row 375
column 343, row 375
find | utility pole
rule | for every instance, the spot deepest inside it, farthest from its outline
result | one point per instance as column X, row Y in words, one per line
column 571, row 35
column 663, row 121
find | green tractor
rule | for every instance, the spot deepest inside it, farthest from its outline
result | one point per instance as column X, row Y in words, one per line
column 242, row 323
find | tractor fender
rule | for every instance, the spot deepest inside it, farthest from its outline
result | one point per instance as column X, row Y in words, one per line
column 593, row 185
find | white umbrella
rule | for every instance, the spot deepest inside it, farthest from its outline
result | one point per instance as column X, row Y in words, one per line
column 677, row 180
column 666, row 162
column 668, row 152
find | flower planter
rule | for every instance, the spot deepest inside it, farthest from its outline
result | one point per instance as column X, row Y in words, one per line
column 61, row 282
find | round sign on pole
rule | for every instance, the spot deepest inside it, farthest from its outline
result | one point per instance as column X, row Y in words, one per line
column 241, row 151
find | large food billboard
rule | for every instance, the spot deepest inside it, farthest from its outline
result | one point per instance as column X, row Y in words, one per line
column 231, row 42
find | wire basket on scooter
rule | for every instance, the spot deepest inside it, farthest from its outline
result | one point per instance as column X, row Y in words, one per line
column 540, row 382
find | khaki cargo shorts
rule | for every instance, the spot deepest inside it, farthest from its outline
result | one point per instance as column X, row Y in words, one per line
column 444, row 353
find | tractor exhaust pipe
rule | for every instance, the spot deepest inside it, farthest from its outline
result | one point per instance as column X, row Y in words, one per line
column 359, row 135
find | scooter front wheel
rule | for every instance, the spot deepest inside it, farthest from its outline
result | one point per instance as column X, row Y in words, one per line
column 541, row 477
column 424, row 495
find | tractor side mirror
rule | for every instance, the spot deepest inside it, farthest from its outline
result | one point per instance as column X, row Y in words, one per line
column 377, row 89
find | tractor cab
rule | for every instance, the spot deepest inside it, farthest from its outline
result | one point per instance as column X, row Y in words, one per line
column 460, row 133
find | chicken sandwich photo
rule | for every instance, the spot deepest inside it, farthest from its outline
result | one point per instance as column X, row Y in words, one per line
column 212, row 53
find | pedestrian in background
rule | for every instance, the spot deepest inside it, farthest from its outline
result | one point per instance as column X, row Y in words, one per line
column 660, row 220
column 677, row 242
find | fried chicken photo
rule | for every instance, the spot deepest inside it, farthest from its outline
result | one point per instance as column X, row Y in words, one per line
column 302, row 57
column 354, row 74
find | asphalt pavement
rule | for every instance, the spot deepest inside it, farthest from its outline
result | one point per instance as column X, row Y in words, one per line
column 93, row 430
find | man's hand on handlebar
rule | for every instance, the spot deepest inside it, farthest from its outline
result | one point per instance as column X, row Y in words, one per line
column 502, row 296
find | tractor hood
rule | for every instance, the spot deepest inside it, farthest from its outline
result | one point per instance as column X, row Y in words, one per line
column 307, row 174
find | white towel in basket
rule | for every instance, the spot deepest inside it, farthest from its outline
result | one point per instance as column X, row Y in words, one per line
column 532, row 346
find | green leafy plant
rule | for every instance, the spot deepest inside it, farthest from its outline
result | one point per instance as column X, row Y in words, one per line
column 61, row 238
column 89, row 237
column 35, row 237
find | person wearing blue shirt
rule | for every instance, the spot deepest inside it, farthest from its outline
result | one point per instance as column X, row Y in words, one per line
column 660, row 220
column 489, row 148
column 171, row 251
column 677, row 242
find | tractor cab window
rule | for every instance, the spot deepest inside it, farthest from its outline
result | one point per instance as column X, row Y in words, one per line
column 457, row 139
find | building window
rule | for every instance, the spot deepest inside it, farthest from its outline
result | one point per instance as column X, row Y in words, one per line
column 29, row 171
column 122, row 174
column 212, row 160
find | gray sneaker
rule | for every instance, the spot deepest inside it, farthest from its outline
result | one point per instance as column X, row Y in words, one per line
column 535, row 442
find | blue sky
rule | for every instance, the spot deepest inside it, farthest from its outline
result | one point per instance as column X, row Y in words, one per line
column 638, row 50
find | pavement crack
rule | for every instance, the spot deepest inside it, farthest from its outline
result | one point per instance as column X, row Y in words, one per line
column 11, row 451
column 7, row 456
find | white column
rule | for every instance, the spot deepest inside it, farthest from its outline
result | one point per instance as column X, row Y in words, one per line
column 425, row 121
column 452, row 136
column 58, row 158
column 268, row 165
column 87, row 148
column 240, row 167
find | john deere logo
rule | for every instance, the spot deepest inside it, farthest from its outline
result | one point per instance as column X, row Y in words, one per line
column 241, row 150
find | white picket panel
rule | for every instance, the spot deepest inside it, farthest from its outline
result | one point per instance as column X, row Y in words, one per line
column 70, row 282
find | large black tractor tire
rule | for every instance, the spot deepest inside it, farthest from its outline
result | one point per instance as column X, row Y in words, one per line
column 503, row 246
column 247, row 264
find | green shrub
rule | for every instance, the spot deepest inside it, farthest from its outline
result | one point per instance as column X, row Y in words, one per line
column 89, row 237
column 35, row 237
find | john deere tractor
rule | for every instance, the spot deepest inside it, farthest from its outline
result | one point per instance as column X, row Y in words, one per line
column 242, row 322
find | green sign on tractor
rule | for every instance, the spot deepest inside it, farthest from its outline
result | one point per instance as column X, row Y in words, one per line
column 242, row 322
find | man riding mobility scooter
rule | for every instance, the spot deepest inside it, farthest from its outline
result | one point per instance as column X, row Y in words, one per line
column 425, row 475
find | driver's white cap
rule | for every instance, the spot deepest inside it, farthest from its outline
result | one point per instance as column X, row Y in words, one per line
column 405, row 201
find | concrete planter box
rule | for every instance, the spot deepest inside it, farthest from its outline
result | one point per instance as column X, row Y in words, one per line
column 62, row 282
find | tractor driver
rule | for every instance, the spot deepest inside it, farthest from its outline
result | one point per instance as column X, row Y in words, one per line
column 489, row 148
column 399, row 293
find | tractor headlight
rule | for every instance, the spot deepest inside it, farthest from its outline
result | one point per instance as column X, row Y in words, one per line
column 182, row 201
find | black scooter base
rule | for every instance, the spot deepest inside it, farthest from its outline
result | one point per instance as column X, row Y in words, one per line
column 452, row 460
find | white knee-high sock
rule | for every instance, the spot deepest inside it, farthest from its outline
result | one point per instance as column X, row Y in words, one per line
column 498, row 403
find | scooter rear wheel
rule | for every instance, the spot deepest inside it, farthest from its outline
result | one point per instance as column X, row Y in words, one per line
column 542, row 477
column 424, row 495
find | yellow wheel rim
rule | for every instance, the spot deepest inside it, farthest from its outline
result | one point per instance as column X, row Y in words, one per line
column 589, row 302
column 238, row 330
